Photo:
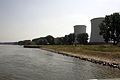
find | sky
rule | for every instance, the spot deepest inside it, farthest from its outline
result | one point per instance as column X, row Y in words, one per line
column 28, row 19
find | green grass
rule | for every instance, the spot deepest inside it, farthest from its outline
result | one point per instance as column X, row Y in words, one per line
column 102, row 48
column 106, row 52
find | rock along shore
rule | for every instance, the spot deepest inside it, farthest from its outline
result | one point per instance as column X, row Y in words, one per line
column 82, row 57
column 86, row 58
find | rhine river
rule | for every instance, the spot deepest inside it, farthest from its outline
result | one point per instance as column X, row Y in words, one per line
column 18, row 63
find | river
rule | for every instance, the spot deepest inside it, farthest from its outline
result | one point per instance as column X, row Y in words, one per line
column 18, row 63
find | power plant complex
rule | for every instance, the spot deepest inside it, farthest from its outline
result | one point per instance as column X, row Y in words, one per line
column 95, row 36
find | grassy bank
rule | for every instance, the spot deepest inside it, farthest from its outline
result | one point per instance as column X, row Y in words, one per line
column 107, row 53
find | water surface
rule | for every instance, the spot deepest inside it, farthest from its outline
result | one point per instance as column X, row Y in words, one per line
column 18, row 63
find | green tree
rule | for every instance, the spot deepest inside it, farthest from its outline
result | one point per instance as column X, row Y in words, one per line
column 82, row 38
column 71, row 38
column 105, row 32
column 25, row 42
column 20, row 42
column 40, row 41
column 61, row 40
column 110, row 28
column 50, row 39
column 36, row 41
column 66, row 39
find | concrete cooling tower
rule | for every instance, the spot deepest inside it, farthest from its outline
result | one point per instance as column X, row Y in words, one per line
column 78, row 29
column 95, row 37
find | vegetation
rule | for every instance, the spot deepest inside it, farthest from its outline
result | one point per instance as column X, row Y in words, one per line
column 71, row 38
column 110, row 28
column 81, row 48
column 82, row 38
column 68, row 39
column 102, row 52
column 26, row 42
column 50, row 40
column 40, row 41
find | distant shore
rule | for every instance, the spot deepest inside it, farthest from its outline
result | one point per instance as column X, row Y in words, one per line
column 108, row 55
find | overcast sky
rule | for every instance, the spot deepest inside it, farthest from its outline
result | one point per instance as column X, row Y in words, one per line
column 28, row 19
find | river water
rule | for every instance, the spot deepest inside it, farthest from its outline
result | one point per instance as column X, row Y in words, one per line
column 18, row 63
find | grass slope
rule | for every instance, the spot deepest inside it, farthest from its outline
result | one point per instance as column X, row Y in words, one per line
column 107, row 53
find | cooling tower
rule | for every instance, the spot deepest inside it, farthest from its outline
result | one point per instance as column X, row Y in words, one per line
column 78, row 29
column 95, row 37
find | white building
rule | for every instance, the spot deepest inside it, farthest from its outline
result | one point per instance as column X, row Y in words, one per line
column 95, row 36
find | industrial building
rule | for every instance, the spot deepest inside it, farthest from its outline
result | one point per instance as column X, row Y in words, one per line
column 95, row 36
column 78, row 29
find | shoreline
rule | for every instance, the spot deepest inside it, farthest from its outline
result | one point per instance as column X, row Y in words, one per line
column 93, row 59
column 86, row 58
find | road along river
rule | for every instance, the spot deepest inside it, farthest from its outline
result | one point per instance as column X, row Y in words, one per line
column 18, row 63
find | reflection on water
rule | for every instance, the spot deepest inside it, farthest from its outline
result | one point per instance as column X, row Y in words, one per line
column 17, row 63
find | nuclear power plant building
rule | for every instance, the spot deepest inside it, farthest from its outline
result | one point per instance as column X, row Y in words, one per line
column 78, row 29
column 95, row 36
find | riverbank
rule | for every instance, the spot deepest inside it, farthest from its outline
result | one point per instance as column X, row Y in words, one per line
column 32, row 46
column 101, row 54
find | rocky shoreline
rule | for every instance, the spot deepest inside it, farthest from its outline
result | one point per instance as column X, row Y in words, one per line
column 95, row 60
column 86, row 58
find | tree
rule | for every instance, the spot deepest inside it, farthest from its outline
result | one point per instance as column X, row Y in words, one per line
column 50, row 39
column 105, row 32
column 26, row 42
column 36, row 41
column 71, row 38
column 40, row 41
column 61, row 40
column 20, row 42
column 66, row 39
column 110, row 28
column 82, row 38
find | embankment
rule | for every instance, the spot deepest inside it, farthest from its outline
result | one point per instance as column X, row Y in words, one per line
column 87, row 58
column 106, row 58
column 32, row 46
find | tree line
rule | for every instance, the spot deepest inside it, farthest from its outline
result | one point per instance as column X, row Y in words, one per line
column 50, row 40
column 110, row 28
